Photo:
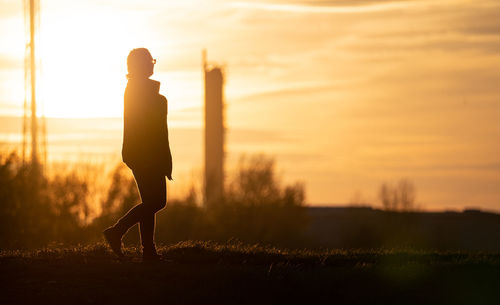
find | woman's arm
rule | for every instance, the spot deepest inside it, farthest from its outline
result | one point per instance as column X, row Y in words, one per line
column 168, row 153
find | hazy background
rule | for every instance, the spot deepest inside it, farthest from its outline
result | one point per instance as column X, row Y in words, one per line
column 345, row 94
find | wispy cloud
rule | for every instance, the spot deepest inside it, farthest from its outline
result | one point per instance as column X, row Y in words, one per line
column 332, row 7
column 8, row 62
column 10, row 8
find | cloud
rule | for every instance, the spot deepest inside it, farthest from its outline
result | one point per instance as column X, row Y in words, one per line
column 482, row 21
column 10, row 8
column 8, row 63
column 247, row 136
column 335, row 7
column 344, row 2
column 454, row 167
column 283, row 93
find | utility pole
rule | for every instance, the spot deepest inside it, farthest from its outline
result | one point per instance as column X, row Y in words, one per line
column 34, row 122
column 32, row 20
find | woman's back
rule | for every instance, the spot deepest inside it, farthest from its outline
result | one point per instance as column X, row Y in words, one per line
column 145, row 134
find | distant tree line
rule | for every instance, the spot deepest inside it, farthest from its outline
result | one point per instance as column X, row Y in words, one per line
column 74, row 204
column 36, row 210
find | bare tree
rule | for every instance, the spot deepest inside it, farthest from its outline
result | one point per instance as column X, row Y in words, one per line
column 406, row 191
column 400, row 197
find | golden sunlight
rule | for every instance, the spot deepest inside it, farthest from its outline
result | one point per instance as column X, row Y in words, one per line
column 249, row 151
column 84, row 63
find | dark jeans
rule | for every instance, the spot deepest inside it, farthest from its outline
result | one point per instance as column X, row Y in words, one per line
column 153, row 192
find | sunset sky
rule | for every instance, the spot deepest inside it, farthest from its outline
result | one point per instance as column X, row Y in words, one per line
column 344, row 94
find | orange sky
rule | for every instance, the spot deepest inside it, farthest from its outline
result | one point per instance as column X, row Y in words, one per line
column 345, row 94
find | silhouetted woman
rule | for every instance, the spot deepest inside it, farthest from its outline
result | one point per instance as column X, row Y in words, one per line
column 145, row 150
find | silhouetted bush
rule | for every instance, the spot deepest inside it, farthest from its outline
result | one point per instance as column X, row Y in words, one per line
column 74, row 205
column 256, row 208
column 35, row 209
column 39, row 209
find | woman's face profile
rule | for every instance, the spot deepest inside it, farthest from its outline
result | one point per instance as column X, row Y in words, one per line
column 150, row 65
column 147, row 63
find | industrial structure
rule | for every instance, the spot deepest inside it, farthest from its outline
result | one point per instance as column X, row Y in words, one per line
column 214, row 132
column 31, row 126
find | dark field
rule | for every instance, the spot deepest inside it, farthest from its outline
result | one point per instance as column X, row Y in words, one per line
column 233, row 273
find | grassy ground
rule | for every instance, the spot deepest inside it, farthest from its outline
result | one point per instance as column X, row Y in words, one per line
column 232, row 273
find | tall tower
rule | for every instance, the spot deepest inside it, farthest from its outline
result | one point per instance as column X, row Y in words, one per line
column 214, row 133
column 32, row 20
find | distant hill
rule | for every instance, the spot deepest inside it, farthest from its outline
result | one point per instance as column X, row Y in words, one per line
column 352, row 227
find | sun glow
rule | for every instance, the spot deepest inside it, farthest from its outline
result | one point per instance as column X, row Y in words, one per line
column 84, row 63
column 345, row 94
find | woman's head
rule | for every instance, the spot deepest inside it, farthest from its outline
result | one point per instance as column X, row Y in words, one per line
column 140, row 63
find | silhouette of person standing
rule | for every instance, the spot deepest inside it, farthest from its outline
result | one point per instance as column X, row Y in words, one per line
column 146, row 151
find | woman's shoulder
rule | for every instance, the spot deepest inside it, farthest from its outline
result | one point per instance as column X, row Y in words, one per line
column 163, row 103
column 143, row 86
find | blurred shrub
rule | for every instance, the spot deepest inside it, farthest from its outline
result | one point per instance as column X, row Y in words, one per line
column 24, row 217
column 256, row 208
column 75, row 204
column 39, row 209
column 35, row 209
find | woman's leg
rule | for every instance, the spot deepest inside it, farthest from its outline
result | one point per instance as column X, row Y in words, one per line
column 147, row 229
column 152, row 189
column 133, row 216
